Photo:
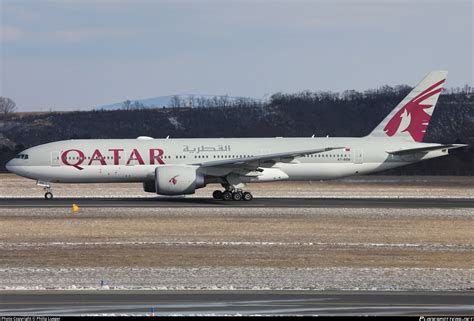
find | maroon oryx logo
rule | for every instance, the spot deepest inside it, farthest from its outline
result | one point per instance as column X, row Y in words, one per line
column 173, row 180
column 415, row 110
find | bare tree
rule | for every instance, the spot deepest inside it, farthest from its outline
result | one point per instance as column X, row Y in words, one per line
column 7, row 106
column 192, row 101
column 203, row 102
column 175, row 102
column 215, row 101
column 224, row 100
column 127, row 105
column 137, row 105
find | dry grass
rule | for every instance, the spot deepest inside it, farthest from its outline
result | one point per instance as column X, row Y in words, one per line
column 330, row 237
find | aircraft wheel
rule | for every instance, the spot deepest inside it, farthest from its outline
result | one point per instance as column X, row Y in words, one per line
column 217, row 195
column 227, row 196
column 48, row 195
column 247, row 196
column 237, row 196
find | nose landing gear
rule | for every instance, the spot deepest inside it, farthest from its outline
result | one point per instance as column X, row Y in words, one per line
column 47, row 188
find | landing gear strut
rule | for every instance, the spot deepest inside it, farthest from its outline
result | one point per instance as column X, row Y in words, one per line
column 232, row 194
column 47, row 188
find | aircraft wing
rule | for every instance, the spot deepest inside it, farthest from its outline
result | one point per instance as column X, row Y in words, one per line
column 424, row 149
column 273, row 157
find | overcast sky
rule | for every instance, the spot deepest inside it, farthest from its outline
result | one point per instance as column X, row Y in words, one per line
column 77, row 54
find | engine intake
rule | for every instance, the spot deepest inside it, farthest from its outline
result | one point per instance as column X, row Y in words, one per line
column 175, row 180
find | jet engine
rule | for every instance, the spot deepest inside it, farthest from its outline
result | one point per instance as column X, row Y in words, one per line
column 175, row 180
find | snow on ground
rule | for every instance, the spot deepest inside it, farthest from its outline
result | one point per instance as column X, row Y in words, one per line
column 72, row 245
column 37, row 278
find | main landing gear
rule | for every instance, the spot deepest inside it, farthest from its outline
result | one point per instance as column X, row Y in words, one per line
column 235, row 195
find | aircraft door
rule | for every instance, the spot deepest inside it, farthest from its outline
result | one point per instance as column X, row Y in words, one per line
column 55, row 159
column 358, row 156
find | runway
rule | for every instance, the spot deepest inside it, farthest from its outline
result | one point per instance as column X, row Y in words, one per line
column 256, row 202
column 236, row 302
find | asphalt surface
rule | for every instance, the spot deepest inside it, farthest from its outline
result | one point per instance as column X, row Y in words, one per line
column 236, row 302
column 256, row 202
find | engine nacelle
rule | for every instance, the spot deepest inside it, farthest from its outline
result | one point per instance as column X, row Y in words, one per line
column 175, row 180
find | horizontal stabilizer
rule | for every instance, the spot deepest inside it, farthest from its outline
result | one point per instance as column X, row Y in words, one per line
column 424, row 149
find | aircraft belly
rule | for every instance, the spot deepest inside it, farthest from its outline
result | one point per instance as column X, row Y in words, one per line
column 320, row 171
column 311, row 171
column 93, row 174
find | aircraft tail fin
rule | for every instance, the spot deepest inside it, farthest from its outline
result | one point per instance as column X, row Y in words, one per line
column 410, row 118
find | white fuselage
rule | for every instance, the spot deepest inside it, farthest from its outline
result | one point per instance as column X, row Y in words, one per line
column 135, row 160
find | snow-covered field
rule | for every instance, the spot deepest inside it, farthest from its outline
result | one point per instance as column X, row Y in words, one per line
column 205, row 278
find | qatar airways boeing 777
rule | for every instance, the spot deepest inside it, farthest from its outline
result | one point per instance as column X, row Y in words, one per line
column 180, row 166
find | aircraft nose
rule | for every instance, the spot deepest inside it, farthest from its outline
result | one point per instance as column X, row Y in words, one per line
column 9, row 166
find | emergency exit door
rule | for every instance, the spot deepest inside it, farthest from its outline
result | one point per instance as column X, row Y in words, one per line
column 55, row 159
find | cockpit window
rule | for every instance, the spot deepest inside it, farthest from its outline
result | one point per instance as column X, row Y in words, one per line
column 22, row 156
